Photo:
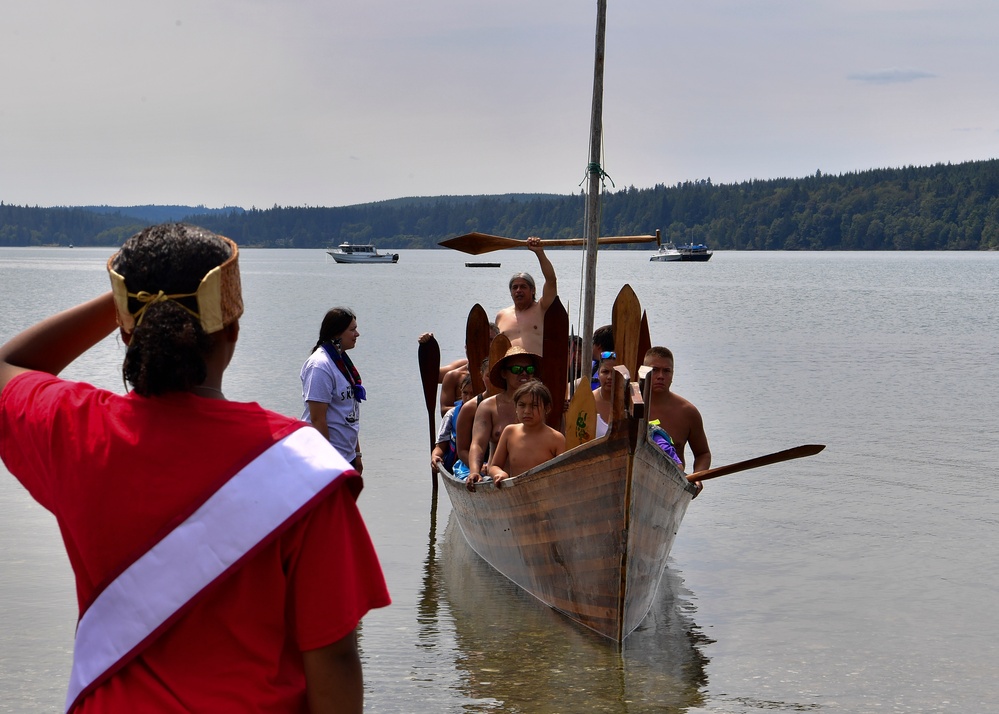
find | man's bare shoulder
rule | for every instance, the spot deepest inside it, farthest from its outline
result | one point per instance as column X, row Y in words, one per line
column 685, row 405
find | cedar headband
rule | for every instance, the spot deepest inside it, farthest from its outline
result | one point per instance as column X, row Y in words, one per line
column 219, row 296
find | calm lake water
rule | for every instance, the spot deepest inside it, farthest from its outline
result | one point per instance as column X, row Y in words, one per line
column 863, row 579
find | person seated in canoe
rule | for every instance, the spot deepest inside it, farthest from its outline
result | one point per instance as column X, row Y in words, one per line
column 524, row 321
column 445, row 451
column 677, row 416
column 531, row 442
column 603, row 343
column 511, row 367
column 602, row 394
column 463, row 424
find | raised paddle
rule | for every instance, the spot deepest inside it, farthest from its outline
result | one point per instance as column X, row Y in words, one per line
column 775, row 458
column 479, row 243
column 555, row 359
column 429, row 354
column 476, row 345
column 626, row 319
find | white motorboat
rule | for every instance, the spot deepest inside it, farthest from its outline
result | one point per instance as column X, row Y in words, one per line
column 348, row 253
column 667, row 253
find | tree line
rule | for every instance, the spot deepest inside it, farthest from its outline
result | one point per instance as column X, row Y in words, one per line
column 940, row 207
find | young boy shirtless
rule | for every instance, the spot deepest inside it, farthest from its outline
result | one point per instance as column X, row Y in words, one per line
column 523, row 446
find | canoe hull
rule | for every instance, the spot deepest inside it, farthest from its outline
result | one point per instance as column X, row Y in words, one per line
column 587, row 533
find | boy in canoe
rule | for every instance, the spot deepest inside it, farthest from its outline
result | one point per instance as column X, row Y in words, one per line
column 531, row 442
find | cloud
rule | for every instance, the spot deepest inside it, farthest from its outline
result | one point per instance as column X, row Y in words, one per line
column 891, row 76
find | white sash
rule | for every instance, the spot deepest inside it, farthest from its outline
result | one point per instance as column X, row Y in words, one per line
column 235, row 519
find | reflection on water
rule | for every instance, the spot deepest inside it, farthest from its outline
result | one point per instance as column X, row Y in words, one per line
column 515, row 654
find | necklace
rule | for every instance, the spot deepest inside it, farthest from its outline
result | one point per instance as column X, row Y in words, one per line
column 203, row 388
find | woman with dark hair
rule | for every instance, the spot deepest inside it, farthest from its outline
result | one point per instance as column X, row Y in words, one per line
column 331, row 386
column 220, row 561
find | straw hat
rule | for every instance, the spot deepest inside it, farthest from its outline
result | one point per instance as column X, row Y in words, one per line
column 500, row 352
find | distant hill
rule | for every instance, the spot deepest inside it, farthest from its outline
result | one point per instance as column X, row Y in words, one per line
column 940, row 207
column 160, row 214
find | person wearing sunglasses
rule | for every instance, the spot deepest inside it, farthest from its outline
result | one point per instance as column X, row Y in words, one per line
column 524, row 321
column 516, row 367
column 603, row 394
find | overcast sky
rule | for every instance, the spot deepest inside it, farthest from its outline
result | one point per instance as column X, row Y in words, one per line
column 329, row 103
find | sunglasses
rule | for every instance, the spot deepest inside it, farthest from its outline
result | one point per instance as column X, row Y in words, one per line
column 608, row 355
column 517, row 369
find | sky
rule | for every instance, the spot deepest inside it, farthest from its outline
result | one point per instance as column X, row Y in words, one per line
column 258, row 103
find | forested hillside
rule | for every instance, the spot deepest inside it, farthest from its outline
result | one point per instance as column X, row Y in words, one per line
column 942, row 207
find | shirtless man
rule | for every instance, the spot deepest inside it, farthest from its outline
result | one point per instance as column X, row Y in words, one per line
column 523, row 446
column 524, row 321
column 676, row 415
column 517, row 367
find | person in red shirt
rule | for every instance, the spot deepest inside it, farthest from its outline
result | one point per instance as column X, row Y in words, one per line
column 220, row 560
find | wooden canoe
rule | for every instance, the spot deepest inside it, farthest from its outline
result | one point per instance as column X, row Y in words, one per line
column 588, row 532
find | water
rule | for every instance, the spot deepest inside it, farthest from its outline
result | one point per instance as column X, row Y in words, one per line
column 863, row 579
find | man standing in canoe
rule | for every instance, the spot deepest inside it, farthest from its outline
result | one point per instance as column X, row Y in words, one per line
column 677, row 416
column 524, row 321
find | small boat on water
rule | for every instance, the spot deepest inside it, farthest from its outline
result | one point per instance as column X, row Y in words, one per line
column 482, row 265
column 667, row 253
column 361, row 253
column 696, row 253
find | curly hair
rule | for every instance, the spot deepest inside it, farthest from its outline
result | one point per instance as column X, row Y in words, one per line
column 167, row 351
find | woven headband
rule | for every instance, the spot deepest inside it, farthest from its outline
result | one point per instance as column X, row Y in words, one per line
column 219, row 296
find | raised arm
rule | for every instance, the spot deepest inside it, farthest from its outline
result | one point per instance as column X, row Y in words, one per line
column 52, row 344
column 550, row 290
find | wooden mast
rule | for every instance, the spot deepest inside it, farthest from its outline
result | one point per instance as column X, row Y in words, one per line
column 594, row 175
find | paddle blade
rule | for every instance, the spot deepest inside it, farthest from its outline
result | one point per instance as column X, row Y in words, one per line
column 555, row 359
column 797, row 452
column 627, row 322
column 476, row 345
column 429, row 354
column 644, row 341
column 581, row 417
column 479, row 243
column 497, row 351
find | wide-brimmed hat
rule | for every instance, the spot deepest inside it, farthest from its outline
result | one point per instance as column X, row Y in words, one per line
column 498, row 359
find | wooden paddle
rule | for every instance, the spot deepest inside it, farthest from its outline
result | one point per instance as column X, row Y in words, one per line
column 644, row 342
column 581, row 416
column 774, row 458
column 477, row 344
column 429, row 354
column 627, row 324
column 497, row 351
column 555, row 359
column 479, row 243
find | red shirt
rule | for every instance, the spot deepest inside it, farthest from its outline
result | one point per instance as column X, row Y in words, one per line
column 120, row 472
